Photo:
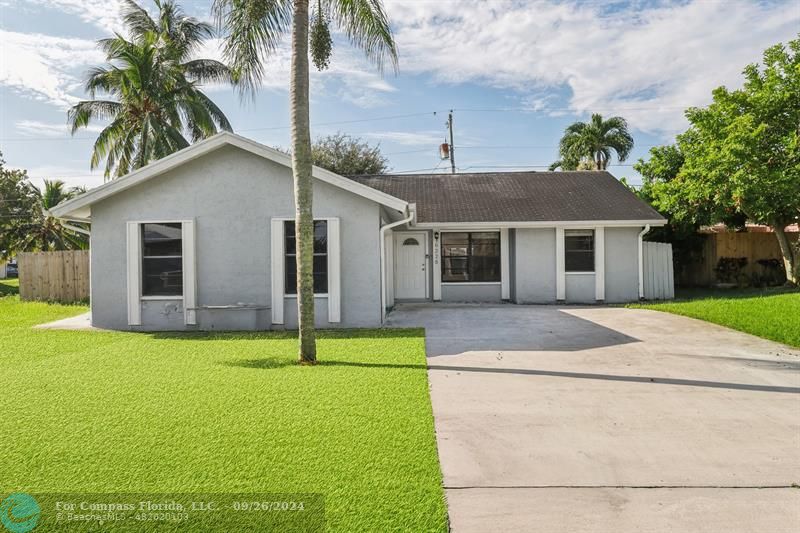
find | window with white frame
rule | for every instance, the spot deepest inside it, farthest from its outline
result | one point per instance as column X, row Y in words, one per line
column 470, row 256
column 579, row 250
column 320, row 257
column 162, row 259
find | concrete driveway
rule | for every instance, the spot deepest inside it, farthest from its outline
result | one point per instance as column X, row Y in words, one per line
column 567, row 419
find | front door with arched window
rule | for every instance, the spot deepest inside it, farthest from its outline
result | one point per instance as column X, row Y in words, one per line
column 410, row 260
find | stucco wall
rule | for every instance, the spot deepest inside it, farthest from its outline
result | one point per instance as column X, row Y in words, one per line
column 622, row 264
column 457, row 292
column 535, row 265
column 232, row 195
column 534, row 268
column 579, row 288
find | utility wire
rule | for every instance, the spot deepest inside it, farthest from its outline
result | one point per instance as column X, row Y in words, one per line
column 526, row 110
column 272, row 128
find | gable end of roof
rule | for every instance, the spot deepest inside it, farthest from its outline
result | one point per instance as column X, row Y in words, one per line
column 79, row 207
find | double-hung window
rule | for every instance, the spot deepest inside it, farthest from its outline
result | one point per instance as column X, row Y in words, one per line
column 162, row 259
column 470, row 257
column 579, row 251
column 320, row 257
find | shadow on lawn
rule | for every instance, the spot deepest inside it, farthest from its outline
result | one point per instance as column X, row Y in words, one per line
column 8, row 288
column 687, row 294
column 274, row 363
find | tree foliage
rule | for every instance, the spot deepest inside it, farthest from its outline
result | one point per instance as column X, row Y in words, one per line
column 148, row 93
column 742, row 152
column 661, row 168
column 25, row 224
column 590, row 145
column 348, row 156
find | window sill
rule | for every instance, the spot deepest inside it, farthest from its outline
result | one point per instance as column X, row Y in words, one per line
column 294, row 296
column 472, row 283
column 165, row 297
column 587, row 273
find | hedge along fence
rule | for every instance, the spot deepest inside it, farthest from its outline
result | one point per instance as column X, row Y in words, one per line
column 54, row 276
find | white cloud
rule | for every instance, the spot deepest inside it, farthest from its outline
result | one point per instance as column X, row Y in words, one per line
column 43, row 67
column 104, row 14
column 646, row 63
column 34, row 128
column 359, row 83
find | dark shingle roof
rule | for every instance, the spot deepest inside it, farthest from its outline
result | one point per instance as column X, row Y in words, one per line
column 514, row 196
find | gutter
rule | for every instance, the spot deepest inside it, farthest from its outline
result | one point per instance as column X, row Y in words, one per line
column 412, row 212
column 641, row 260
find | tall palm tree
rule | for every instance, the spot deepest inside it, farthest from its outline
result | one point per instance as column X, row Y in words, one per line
column 590, row 144
column 254, row 30
column 41, row 232
column 150, row 90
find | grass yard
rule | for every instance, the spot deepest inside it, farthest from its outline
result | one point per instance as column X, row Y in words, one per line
column 772, row 314
column 89, row 411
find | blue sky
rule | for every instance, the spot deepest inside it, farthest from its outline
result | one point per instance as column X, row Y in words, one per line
column 515, row 72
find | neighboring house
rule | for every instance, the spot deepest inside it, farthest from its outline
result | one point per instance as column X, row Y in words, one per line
column 204, row 239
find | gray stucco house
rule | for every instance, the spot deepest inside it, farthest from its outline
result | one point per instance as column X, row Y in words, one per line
column 203, row 239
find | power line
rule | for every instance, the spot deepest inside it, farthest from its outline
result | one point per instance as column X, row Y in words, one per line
column 271, row 128
column 412, row 151
column 517, row 109
column 372, row 119
column 414, row 170
column 563, row 109
column 531, row 166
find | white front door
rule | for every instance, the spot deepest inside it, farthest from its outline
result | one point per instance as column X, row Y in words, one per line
column 410, row 258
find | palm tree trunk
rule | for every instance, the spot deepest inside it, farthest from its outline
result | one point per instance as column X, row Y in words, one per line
column 303, row 187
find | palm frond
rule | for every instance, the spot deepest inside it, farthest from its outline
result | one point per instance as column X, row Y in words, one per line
column 254, row 29
column 367, row 26
column 595, row 140
column 208, row 71
column 106, row 139
column 136, row 19
column 83, row 112
column 215, row 112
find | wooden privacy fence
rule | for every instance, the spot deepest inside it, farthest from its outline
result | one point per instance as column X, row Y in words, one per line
column 659, row 280
column 54, row 276
column 753, row 246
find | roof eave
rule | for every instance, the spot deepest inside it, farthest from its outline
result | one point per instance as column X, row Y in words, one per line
column 546, row 224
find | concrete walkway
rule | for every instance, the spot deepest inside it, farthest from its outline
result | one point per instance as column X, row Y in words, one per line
column 79, row 322
column 568, row 419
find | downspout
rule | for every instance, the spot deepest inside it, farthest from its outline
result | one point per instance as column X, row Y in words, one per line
column 641, row 260
column 411, row 213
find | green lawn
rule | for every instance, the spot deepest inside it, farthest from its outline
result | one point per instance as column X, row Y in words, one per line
column 221, row 413
column 772, row 314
